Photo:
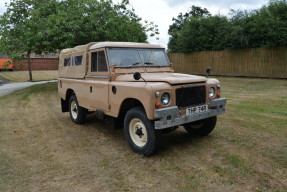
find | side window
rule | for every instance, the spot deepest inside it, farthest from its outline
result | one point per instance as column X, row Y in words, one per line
column 67, row 62
column 77, row 60
column 94, row 62
column 99, row 62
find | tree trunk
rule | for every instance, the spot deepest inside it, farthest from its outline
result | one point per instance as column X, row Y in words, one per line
column 29, row 67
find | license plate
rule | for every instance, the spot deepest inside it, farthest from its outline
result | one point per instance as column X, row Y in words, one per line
column 198, row 109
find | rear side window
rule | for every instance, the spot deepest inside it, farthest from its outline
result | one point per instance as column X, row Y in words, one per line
column 67, row 62
column 99, row 62
column 77, row 60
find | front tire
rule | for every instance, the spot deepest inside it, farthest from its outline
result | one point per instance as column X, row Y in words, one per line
column 201, row 127
column 77, row 113
column 140, row 133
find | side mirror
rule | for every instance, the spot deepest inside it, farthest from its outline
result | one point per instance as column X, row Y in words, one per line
column 137, row 75
column 208, row 70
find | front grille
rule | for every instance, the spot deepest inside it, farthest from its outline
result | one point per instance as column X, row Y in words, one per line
column 190, row 96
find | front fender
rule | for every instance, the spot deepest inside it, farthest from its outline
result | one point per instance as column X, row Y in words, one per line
column 141, row 91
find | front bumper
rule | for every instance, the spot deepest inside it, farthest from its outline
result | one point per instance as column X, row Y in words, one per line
column 170, row 116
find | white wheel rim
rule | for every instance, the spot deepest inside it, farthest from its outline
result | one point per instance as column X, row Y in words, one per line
column 138, row 132
column 74, row 110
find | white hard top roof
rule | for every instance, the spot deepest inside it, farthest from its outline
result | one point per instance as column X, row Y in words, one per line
column 123, row 44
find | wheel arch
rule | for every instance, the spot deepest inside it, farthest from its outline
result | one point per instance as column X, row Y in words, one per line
column 69, row 93
column 65, row 102
column 129, row 103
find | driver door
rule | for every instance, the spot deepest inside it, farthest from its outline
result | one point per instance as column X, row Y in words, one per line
column 98, row 80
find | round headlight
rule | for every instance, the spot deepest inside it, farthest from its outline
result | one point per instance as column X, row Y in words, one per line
column 165, row 99
column 211, row 92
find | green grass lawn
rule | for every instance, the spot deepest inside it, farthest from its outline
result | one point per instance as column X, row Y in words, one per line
column 42, row 150
column 21, row 76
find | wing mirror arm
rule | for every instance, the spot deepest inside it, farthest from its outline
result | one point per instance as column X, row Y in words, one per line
column 137, row 76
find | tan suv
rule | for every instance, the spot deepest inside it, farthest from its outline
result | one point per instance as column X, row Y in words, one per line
column 135, row 85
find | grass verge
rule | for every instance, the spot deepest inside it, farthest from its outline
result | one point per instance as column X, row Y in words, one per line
column 42, row 150
column 22, row 76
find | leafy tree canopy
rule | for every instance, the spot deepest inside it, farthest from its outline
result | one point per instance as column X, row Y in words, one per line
column 46, row 26
column 195, row 11
column 265, row 27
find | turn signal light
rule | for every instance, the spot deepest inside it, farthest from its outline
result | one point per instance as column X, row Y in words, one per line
column 218, row 94
column 157, row 105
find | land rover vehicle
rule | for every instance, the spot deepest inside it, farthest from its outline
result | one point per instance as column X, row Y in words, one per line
column 135, row 84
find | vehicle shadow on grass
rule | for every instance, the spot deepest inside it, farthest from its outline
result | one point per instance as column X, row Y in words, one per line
column 104, row 126
column 180, row 140
column 176, row 140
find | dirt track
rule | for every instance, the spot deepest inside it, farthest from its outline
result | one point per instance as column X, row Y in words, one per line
column 42, row 150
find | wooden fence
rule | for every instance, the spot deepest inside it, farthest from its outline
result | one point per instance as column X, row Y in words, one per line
column 256, row 62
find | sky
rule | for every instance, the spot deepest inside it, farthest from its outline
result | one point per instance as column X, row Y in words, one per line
column 161, row 12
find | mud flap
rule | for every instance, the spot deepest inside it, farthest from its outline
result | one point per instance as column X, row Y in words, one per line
column 64, row 105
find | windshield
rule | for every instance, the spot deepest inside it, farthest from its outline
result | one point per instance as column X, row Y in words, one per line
column 129, row 57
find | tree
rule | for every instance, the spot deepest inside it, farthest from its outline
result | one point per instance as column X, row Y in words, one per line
column 239, row 32
column 179, row 22
column 201, row 34
column 195, row 11
column 46, row 26
column 269, row 25
column 196, row 30
column 200, row 31
column 12, row 24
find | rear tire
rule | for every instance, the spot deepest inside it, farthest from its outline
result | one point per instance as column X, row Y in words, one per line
column 77, row 113
column 201, row 127
column 140, row 133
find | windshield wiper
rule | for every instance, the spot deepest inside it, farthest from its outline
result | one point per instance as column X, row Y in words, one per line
column 135, row 64
column 149, row 63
